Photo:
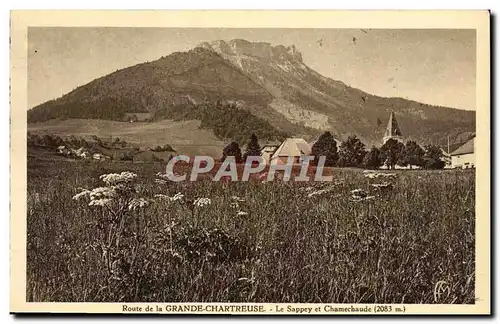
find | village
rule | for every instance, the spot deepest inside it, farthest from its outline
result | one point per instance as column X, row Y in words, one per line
column 278, row 152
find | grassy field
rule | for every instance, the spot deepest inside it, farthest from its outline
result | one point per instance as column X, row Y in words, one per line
column 275, row 242
column 185, row 136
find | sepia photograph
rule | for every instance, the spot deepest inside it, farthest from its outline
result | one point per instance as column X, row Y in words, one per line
column 265, row 169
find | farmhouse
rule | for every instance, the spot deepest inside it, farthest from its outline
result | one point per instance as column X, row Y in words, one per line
column 268, row 150
column 98, row 156
column 464, row 156
column 63, row 150
column 291, row 147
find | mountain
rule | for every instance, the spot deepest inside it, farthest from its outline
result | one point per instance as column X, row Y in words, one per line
column 238, row 87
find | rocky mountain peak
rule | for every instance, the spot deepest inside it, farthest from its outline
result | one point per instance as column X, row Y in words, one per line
column 261, row 50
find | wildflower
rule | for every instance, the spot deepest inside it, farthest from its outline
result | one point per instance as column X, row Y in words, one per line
column 84, row 193
column 167, row 176
column 234, row 205
column 137, row 203
column 306, row 189
column 177, row 196
column 102, row 192
column 241, row 213
column 162, row 197
column 321, row 191
column 236, row 198
column 359, row 192
column 101, row 202
column 160, row 181
column 357, row 198
column 382, row 186
column 375, row 175
column 115, row 178
column 202, row 202
column 360, row 195
column 316, row 193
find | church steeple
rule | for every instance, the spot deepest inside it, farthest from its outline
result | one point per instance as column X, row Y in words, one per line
column 392, row 130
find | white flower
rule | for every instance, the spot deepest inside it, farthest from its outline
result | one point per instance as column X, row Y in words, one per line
column 358, row 198
column 202, row 202
column 321, row 191
column 101, row 202
column 102, row 192
column 375, row 175
column 316, row 193
column 234, row 205
column 167, row 176
column 382, row 186
column 115, row 178
column 358, row 192
column 84, row 193
column 137, row 203
column 177, row 196
column 162, row 197
column 241, row 213
column 236, row 198
column 360, row 195
column 160, row 181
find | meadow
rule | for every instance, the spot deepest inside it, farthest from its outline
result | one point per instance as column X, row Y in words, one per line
column 304, row 242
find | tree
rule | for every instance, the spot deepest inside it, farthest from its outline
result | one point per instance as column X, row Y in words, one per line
column 57, row 140
column 414, row 154
column 49, row 141
column 232, row 149
column 351, row 152
column 372, row 159
column 393, row 152
column 253, row 147
column 325, row 146
column 433, row 157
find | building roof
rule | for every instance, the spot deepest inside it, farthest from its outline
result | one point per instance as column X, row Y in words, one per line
column 292, row 147
column 466, row 148
column 392, row 129
column 271, row 144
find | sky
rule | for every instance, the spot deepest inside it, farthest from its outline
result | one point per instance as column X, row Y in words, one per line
column 434, row 66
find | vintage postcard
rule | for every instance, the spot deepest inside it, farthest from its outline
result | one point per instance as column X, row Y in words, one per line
column 250, row 162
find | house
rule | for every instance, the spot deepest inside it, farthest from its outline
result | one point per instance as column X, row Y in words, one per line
column 98, row 156
column 446, row 158
column 464, row 156
column 63, row 150
column 392, row 131
column 85, row 155
column 338, row 142
column 268, row 150
column 294, row 147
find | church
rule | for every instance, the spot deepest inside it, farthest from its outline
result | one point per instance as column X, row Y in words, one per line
column 392, row 131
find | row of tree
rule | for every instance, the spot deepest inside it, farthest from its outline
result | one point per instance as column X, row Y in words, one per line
column 353, row 153
column 53, row 141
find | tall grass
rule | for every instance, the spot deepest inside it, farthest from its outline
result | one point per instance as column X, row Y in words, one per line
column 288, row 248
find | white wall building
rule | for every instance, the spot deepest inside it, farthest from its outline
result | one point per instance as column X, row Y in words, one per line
column 464, row 157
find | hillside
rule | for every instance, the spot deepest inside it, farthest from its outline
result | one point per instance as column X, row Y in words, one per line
column 177, row 134
column 236, row 87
